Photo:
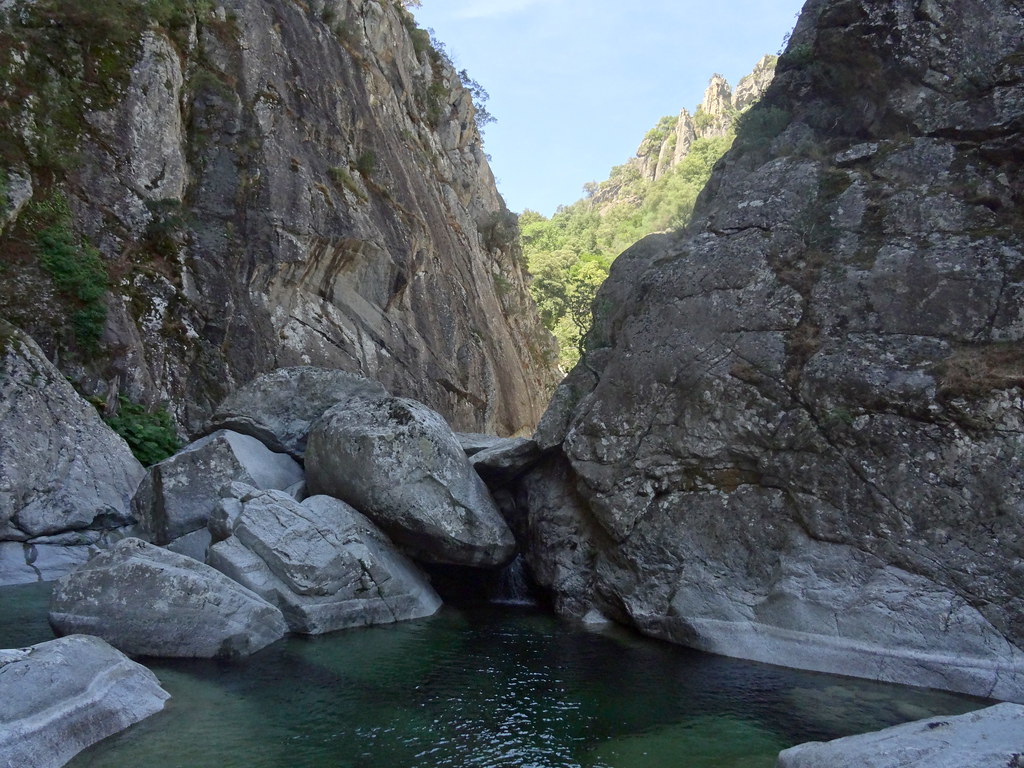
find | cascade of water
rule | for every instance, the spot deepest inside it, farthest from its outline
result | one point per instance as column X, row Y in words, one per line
column 513, row 585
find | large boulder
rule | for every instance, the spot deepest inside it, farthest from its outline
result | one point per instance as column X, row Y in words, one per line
column 797, row 433
column 179, row 493
column 400, row 464
column 505, row 460
column 59, row 697
column 61, row 467
column 989, row 738
column 148, row 601
column 322, row 563
column 280, row 407
column 23, row 563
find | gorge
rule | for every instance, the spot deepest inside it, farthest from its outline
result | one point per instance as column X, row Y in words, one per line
column 795, row 434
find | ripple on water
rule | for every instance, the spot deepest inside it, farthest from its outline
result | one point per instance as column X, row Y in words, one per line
column 485, row 687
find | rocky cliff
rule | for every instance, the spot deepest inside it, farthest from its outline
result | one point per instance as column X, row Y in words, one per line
column 667, row 144
column 193, row 193
column 798, row 432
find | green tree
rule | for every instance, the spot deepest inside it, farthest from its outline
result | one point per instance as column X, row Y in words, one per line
column 570, row 253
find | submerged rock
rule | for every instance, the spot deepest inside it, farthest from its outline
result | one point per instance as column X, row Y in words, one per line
column 399, row 463
column 797, row 433
column 61, row 467
column 279, row 407
column 989, row 738
column 148, row 601
column 322, row 563
column 59, row 697
column 179, row 493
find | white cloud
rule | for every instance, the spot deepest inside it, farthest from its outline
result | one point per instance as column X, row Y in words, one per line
column 486, row 9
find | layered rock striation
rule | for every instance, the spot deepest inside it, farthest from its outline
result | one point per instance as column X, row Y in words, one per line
column 267, row 184
column 66, row 479
column 798, row 432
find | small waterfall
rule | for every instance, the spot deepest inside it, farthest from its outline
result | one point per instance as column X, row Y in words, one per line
column 513, row 585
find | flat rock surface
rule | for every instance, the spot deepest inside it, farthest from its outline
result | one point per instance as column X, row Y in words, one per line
column 149, row 601
column 59, row 697
column 326, row 566
column 988, row 738
column 399, row 463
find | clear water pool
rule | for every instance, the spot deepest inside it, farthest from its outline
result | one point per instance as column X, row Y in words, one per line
column 485, row 686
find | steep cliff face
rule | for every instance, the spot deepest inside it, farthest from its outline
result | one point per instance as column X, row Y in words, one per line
column 668, row 144
column 798, row 434
column 264, row 184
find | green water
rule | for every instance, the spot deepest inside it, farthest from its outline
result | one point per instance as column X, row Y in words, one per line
column 484, row 686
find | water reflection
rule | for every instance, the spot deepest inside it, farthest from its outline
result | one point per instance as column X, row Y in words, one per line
column 492, row 686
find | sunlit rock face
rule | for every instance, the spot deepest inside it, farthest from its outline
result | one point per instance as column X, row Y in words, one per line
column 280, row 184
column 798, row 435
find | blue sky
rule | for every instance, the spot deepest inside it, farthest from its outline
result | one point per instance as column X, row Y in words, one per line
column 575, row 84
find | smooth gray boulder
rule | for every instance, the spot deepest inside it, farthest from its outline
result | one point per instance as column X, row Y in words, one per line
column 326, row 566
column 506, row 459
column 279, row 407
column 148, row 601
column 399, row 463
column 61, row 467
column 988, row 738
column 59, row 697
column 474, row 442
column 23, row 563
column 179, row 493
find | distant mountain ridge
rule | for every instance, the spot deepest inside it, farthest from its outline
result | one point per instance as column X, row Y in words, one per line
column 667, row 144
column 654, row 191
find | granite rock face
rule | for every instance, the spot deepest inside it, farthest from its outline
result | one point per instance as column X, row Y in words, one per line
column 399, row 463
column 276, row 184
column 59, row 697
column 65, row 477
column 322, row 563
column 989, row 738
column 798, row 434
column 280, row 407
column 148, row 601
column 180, row 492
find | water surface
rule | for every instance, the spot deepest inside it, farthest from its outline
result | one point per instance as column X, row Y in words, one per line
column 484, row 686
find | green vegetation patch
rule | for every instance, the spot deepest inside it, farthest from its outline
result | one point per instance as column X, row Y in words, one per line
column 367, row 164
column 62, row 58
column 760, row 124
column 76, row 268
column 569, row 255
column 150, row 434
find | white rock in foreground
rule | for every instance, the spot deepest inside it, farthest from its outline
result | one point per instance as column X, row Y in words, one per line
column 59, row 697
column 149, row 601
column 61, row 468
column 989, row 738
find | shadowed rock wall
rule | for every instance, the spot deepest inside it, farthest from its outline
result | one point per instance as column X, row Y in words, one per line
column 798, row 435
